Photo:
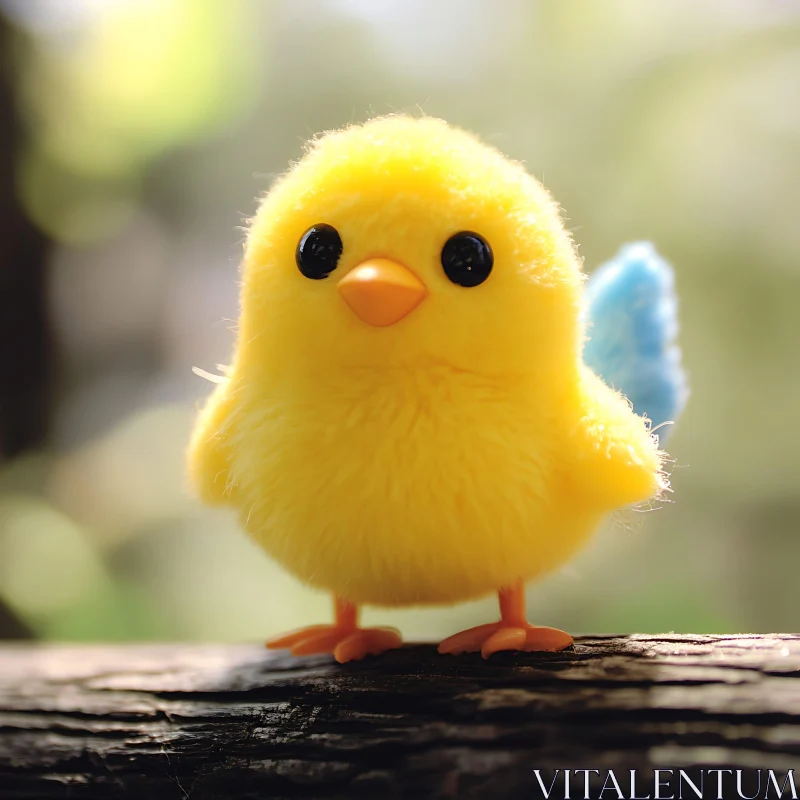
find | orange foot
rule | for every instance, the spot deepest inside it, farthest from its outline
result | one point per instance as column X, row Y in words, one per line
column 344, row 638
column 497, row 636
column 513, row 632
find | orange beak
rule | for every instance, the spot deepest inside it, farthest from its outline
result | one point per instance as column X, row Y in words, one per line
column 381, row 291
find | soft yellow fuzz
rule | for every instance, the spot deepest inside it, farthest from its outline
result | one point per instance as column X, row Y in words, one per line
column 445, row 456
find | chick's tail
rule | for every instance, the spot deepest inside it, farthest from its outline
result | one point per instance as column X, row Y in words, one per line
column 631, row 311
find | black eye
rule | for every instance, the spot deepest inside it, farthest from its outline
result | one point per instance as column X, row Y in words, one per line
column 467, row 259
column 318, row 251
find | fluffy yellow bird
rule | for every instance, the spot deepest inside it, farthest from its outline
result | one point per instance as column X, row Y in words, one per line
column 407, row 418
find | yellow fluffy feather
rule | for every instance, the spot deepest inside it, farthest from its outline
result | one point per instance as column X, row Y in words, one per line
column 461, row 450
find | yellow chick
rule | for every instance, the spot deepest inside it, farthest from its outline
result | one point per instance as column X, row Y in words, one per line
column 407, row 418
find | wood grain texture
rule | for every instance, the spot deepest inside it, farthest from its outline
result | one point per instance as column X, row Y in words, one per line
column 187, row 721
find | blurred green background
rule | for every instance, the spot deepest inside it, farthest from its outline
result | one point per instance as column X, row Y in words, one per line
column 136, row 135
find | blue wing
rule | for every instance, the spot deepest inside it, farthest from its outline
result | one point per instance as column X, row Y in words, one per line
column 631, row 310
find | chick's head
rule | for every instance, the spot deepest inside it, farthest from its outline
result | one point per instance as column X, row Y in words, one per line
column 404, row 243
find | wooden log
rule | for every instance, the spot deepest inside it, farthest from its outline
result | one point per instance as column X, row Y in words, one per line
column 192, row 721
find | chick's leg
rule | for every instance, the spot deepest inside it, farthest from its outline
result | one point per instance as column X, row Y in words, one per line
column 344, row 638
column 513, row 632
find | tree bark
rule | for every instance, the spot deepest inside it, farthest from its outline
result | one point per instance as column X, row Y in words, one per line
column 192, row 721
column 26, row 352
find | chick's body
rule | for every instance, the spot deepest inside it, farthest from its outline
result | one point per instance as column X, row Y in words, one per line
column 457, row 449
column 410, row 487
